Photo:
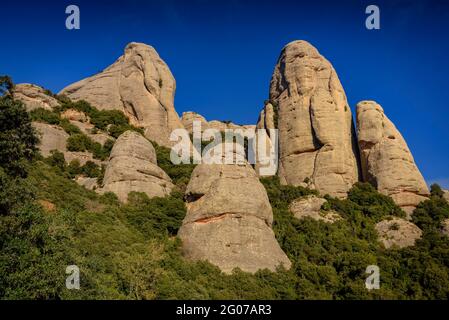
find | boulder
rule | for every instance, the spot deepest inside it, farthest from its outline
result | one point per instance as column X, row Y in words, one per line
column 310, row 207
column 52, row 137
column 133, row 166
column 141, row 85
column 229, row 220
column 386, row 160
column 316, row 134
column 397, row 232
column 34, row 97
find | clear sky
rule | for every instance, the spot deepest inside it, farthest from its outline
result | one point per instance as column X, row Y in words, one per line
column 222, row 54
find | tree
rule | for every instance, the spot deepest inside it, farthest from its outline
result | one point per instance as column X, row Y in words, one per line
column 6, row 86
column 17, row 137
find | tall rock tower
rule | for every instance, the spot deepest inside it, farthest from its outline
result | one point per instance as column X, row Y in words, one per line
column 317, row 145
column 387, row 162
column 141, row 85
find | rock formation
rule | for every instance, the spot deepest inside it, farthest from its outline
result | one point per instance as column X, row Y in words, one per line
column 87, row 128
column 75, row 115
column 190, row 116
column 386, row 160
column 86, row 182
column 310, row 207
column 141, row 85
column 133, row 166
column 267, row 120
column 397, row 232
column 316, row 139
column 229, row 219
column 51, row 137
column 34, row 97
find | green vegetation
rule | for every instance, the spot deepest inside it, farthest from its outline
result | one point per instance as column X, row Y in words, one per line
column 329, row 260
column 180, row 174
column 51, row 117
column 114, row 122
column 77, row 141
column 17, row 137
column 81, row 143
column 6, row 86
column 89, row 169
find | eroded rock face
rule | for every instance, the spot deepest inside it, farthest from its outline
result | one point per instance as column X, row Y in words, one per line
column 397, row 232
column 190, row 116
column 51, row 138
column 229, row 219
column 141, row 85
column 266, row 121
column 133, row 167
column 387, row 162
column 74, row 115
column 316, row 139
column 34, row 97
column 310, row 207
column 86, row 182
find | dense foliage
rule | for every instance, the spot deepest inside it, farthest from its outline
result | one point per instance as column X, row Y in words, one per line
column 114, row 122
column 180, row 174
column 17, row 136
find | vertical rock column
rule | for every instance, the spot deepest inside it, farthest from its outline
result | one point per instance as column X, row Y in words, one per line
column 317, row 145
column 387, row 162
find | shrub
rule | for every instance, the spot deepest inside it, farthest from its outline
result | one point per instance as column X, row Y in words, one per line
column 82, row 143
column 56, row 159
column 112, row 121
column 17, row 137
column 91, row 169
column 79, row 142
column 44, row 115
column 180, row 174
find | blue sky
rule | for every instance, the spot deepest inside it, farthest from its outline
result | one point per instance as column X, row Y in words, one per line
column 222, row 54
